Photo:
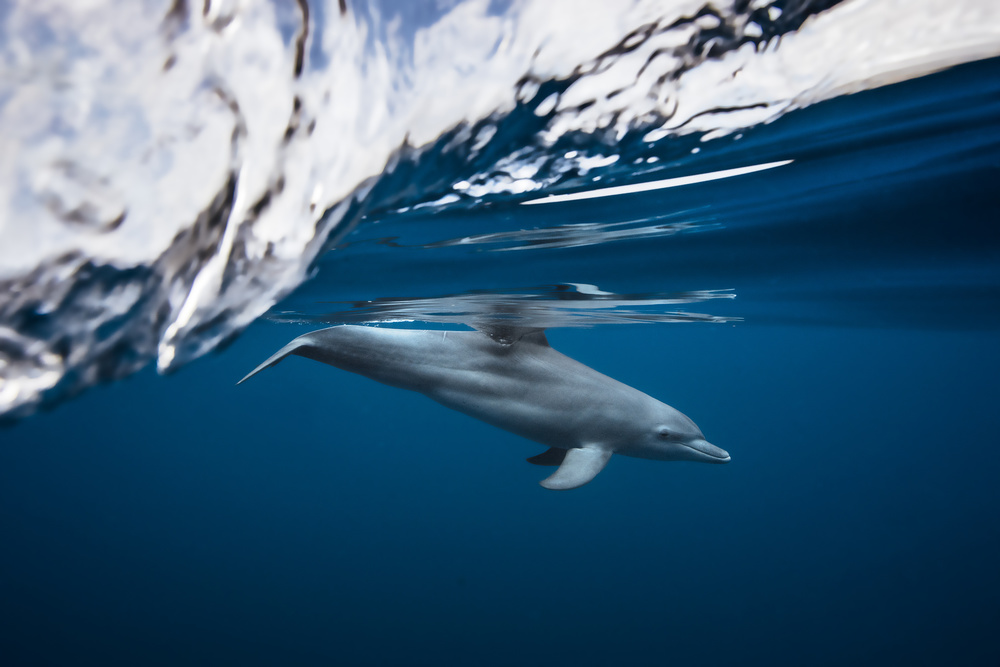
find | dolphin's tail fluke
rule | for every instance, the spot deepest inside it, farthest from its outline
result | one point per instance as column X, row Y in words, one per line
column 275, row 358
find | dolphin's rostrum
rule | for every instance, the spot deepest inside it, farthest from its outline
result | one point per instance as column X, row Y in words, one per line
column 513, row 379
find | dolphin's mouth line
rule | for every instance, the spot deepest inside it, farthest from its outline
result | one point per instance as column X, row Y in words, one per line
column 711, row 451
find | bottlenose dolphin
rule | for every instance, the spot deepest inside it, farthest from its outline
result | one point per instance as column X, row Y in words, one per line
column 511, row 378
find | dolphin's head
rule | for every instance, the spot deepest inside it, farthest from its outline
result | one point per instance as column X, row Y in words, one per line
column 671, row 436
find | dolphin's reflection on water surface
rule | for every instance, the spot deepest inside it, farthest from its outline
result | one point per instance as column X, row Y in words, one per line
column 561, row 305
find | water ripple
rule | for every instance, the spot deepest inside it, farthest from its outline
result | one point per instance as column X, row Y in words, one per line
column 548, row 306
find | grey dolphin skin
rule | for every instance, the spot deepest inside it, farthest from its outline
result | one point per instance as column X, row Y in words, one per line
column 513, row 379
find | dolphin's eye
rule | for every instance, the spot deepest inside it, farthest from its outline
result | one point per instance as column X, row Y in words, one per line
column 663, row 434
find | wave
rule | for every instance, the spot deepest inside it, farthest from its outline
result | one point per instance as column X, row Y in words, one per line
column 172, row 169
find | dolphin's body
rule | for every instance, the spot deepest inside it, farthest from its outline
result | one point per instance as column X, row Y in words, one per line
column 514, row 380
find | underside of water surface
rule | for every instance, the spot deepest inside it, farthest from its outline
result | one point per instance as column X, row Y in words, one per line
column 174, row 169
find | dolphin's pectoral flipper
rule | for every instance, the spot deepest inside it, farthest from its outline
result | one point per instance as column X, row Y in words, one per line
column 553, row 456
column 579, row 467
column 276, row 357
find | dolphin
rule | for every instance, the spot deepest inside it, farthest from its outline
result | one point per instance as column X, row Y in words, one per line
column 511, row 378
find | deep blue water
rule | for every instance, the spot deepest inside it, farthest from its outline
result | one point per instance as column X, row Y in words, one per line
column 315, row 517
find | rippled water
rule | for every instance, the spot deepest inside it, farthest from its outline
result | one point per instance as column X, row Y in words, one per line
column 869, row 213
column 183, row 167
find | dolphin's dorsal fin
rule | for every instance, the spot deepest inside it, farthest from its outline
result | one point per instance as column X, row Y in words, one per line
column 579, row 467
column 508, row 334
column 553, row 456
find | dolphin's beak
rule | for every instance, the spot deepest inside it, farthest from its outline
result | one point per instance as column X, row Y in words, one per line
column 709, row 452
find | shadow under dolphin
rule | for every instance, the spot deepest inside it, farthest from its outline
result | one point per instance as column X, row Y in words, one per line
column 511, row 378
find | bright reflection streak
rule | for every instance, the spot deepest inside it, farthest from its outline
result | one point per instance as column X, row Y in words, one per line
column 658, row 185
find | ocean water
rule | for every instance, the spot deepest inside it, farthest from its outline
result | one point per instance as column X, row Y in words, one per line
column 830, row 318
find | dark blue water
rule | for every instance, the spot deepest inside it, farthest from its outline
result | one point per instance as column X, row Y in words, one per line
column 311, row 516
